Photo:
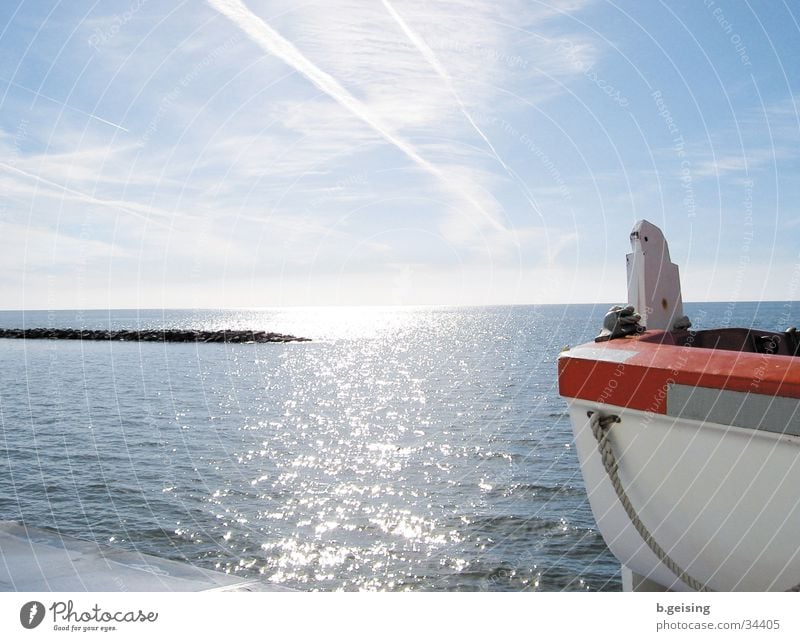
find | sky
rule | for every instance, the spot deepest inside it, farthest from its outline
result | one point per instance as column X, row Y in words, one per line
column 254, row 153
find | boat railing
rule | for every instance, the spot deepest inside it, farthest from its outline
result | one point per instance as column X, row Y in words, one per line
column 736, row 339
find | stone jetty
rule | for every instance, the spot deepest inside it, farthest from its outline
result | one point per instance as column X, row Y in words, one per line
column 154, row 335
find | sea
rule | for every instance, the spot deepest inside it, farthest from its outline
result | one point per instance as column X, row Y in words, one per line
column 403, row 448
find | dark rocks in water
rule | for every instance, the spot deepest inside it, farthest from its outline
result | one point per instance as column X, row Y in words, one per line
column 154, row 335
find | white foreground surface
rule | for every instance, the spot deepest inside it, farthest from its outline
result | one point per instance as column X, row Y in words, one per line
column 33, row 560
column 722, row 501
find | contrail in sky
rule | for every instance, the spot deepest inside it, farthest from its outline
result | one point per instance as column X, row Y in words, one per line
column 82, row 197
column 433, row 61
column 273, row 42
column 38, row 94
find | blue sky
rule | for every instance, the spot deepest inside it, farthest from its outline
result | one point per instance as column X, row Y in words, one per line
column 262, row 153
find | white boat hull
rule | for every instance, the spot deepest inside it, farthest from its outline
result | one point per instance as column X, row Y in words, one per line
column 722, row 501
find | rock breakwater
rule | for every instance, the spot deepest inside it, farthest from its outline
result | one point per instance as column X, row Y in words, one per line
column 154, row 335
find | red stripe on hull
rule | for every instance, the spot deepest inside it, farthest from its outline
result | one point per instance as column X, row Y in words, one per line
column 641, row 381
column 620, row 384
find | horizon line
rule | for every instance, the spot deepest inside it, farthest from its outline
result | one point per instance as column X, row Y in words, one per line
column 373, row 306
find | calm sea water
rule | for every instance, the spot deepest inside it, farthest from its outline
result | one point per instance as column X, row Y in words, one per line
column 405, row 448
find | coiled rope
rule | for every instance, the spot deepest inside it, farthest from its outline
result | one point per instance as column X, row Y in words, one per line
column 601, row 429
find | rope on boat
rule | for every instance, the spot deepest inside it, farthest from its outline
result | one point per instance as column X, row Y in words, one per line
column 600, row 429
